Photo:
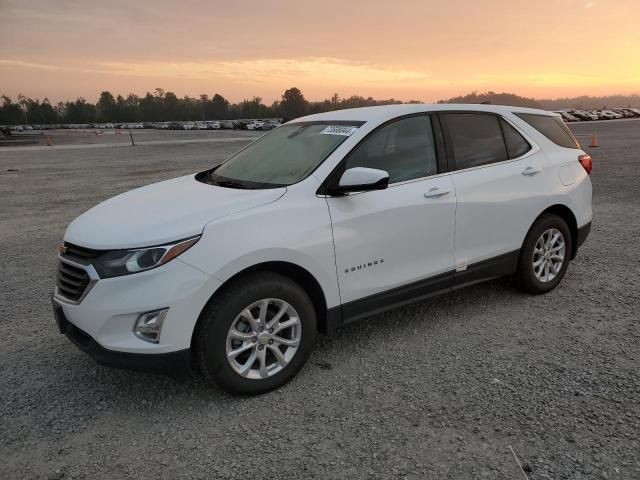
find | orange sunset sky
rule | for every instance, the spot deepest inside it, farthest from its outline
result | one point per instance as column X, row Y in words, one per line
column 406, row 49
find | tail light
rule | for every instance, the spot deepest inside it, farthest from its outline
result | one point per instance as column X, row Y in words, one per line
column 585, row 161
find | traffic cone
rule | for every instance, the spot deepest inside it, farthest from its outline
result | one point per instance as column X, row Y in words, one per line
column 594, row 140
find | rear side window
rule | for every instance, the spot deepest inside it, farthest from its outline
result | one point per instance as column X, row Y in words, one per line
column 476, row 139
column 551, row 127
column 405, row 149
column 516, row 144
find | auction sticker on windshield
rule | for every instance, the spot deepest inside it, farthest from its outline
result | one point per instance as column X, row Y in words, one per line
column 343, row 130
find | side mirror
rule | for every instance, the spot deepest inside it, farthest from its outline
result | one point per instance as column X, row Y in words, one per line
column 361, row 179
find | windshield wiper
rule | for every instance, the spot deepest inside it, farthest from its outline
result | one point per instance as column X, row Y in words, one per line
column 224, row 182
column 211, row 178
column 228, row 184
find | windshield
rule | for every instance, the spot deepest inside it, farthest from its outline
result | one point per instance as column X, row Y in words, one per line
column 282, row 157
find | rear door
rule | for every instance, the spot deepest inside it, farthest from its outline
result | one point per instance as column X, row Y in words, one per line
column 501, row 182
column 392, row 244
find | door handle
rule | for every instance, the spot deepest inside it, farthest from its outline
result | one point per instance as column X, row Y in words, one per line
column 436, row 192
column 531, row 170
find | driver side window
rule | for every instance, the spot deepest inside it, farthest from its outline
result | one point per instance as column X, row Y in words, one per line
column 405, row 149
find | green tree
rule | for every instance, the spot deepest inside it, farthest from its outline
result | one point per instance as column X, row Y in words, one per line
column 219, row 107
column 49, row 114
column 253, row 108
column 80, row 111
column 171, row 108
column 10, row 112
column 106, row 107
column 293, row 104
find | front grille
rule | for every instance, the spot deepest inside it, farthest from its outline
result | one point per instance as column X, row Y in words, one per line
column 71, row 281
column 79, row 254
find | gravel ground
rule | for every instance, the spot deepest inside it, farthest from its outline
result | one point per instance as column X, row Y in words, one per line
column 439, row 389
column 112, row 137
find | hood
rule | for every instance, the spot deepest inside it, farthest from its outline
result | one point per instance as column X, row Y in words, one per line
column 161, row 213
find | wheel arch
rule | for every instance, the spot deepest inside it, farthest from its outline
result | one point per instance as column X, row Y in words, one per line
column 296, row 273
column 568, row 216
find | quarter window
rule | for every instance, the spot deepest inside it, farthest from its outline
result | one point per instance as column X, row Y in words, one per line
column 405, row 149
column 516, row 144
column 551, row 127
column 476, row 139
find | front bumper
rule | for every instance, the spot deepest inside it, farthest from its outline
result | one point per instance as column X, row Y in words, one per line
column 103, row 322
column 174, row 363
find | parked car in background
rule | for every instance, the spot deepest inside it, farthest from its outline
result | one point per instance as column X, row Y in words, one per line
column 581, row 114
column 567, row 117
column 600, row 115
column 625, row 112
column 325, row 220
column 255, row 125
column 269, row 125
column 609, row 115
column 593, row 115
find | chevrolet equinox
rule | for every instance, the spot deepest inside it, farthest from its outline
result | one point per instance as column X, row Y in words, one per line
column 324, row 220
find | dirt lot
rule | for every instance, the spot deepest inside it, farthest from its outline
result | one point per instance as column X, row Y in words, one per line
column 440, row 389
column 97, row 137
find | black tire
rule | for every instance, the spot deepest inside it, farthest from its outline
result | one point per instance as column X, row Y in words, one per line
column 525, row 276
column 217, row 318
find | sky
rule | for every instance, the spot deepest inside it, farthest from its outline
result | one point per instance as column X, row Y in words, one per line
column 405, row 49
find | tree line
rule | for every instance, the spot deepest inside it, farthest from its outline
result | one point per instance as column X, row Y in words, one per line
column 581, row 102
column 161, row 106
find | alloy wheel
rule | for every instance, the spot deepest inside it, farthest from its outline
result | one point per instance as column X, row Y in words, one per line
column 548, row 255
column 263, row 338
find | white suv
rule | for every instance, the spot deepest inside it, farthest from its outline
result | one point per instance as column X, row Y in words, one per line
column 322, row 221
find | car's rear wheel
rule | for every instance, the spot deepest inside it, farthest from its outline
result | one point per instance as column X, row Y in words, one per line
column 545, row 255
column 256, row 334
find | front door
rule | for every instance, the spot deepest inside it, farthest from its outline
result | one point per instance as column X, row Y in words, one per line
column 392, row 244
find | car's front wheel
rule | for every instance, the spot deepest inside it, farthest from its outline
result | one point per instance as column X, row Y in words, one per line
column 545, row 255
column 256, row 334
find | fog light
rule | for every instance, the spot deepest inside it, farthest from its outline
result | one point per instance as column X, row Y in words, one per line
column 149, row 325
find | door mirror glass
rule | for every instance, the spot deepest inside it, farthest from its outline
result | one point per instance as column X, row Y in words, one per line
column 362, row 179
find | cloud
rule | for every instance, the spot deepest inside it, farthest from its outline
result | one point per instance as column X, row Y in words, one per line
column 310, row 70
column 21, row 64
column 261, row 70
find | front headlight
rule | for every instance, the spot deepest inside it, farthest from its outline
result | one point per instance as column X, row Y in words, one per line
column 124, row 262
